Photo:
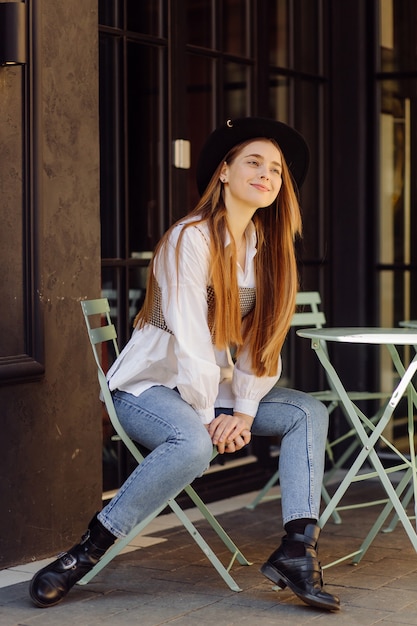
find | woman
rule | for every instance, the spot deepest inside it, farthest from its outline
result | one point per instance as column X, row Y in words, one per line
column 223, row 280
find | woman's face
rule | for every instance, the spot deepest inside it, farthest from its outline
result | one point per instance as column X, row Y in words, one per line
column 254, row 177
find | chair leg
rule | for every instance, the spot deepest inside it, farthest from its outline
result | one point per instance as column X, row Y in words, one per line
column 200, row 541
column 261, row 496
column 230, row 545
column 203, row 545
column 326, row 497
column 117, row 547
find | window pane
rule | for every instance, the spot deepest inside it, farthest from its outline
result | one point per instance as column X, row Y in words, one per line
column 235, row 90
column 396, row 189
column 278, row 97
column 235, row 28
column 144, row 16
column 109, row 13
column 307, row 121
column 199, row 23
column 278, row 32
column 296, row 22
column 395, row 180
column 306, row 36
column 111, row 146
column 398, row 27
column 137, row 285
column 144, row 146
column 110, row 281
column 200, row 73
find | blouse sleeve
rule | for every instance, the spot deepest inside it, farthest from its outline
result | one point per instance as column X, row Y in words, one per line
column 184, row 307
column 249, row 389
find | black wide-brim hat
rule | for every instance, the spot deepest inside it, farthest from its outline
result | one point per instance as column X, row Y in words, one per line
column 224, row 138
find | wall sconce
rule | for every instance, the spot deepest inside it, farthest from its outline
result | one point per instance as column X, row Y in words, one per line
column 12, row 33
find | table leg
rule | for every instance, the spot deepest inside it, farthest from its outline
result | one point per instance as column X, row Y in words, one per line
column 383, row 516
column 368, row 450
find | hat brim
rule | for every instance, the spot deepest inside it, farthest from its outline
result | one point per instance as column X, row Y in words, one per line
column 233, row 132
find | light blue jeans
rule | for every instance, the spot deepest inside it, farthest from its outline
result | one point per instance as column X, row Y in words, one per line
column 181, row 450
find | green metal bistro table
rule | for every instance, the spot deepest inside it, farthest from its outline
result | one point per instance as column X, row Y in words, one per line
column 371, row 433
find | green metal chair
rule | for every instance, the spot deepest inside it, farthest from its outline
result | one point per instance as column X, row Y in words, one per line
column 308, row 314
column 98, row 312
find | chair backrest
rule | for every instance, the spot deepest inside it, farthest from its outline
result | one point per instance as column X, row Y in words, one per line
column 308, row 314
column 99, row 334
column 307, row 310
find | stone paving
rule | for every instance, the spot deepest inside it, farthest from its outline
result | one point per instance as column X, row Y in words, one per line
column 168, row 580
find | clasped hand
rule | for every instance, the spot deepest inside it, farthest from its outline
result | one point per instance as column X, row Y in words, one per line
column 230, row 433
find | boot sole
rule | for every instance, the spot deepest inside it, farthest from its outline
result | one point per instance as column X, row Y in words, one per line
column 282, row 581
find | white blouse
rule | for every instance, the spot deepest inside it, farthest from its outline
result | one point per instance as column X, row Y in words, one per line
column 186, row 357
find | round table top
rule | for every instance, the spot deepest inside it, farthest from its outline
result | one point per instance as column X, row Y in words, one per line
column 357, row 334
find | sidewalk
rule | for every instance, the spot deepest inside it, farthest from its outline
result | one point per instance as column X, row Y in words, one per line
column 166, row 579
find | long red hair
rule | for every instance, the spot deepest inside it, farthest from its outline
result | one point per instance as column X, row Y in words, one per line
column 277, row 226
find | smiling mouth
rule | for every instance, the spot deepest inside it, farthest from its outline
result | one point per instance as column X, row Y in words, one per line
column 260, row 187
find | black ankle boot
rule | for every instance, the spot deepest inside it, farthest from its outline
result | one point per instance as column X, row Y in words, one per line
column 302, row 574
column 52, row 583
